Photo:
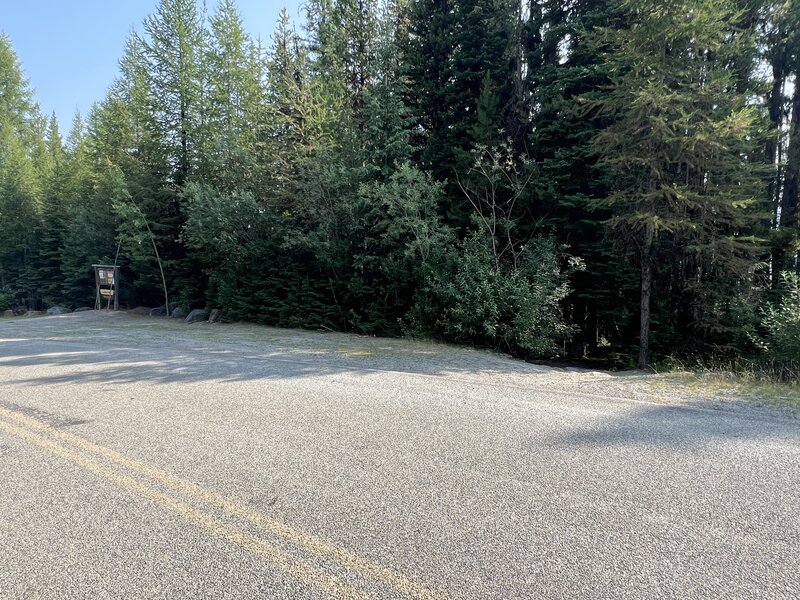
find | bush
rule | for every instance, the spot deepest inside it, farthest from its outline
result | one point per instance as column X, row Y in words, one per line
column 7, row 300
column 473, row 299
column 780, row 324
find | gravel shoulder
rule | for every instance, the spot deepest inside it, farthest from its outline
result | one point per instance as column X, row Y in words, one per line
column 331, row 351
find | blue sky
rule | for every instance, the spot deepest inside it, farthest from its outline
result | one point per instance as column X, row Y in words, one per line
column 69, row 48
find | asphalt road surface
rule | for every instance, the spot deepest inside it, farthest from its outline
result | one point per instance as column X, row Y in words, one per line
column 145, row 458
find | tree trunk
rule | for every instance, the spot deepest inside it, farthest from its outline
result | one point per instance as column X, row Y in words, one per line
column 591, row 328
column 790, row 202
column 578, row 345
column 773, row 155
column 647, row 280
column 773, row 142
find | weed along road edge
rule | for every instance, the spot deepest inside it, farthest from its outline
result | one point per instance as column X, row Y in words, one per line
column 143, row 458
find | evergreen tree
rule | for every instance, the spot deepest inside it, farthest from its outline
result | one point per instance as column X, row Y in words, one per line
column 20, row 181
column 678, row 149
column 462, row 65
column 235, row 119
column 173, row 51
column 562, row 65
column 51, row 231
column 785, row 151
column 384, row 140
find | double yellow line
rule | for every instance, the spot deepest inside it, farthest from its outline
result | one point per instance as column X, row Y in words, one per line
column 85, row 453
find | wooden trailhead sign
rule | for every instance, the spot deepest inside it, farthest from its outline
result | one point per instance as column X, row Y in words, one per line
column 106, row 278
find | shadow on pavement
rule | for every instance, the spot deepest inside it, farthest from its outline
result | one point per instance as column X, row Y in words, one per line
column 678, row 428
column 120, row 348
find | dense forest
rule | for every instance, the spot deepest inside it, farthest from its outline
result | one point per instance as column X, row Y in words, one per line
column 604, row 178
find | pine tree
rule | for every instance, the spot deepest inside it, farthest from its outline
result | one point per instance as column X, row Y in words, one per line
column 384, row 140
column 462, row 59
column 20, row 180
column 784, row 152
column 303, row 109
column 677, row 149
column 562, row 64
column 16, row 103
column 173, row 50
column 428, row 60
column 235, row 115
column 53, row 216
column 90, row 228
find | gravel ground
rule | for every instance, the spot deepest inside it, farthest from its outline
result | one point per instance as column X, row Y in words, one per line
column 146, row 458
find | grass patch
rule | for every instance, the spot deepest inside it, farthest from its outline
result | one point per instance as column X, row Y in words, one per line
column 775, row 384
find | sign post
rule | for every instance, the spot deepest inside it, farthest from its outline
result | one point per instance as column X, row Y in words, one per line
column 106, row 278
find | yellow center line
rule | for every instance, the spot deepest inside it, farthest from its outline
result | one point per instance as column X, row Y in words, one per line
column 283, row 560
column 347, row 558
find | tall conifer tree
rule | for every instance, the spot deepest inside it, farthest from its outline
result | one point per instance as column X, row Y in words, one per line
column 678, row 150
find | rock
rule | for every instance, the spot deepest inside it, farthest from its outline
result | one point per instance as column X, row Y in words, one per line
column 33, row 313
column 140, row 310
column 198, row 314
column 9, row 313
column 215, row 316
column 57, row 310
column 159, row 311
column 179, row 312
column 82, row 309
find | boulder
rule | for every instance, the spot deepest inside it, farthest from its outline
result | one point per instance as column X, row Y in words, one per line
column 57, row 310
column 215, row 316
column 179, row 312
column 33, row 313
column 82, row 309
column 140, row 310
column 198, row 314
column 159, row 311
column 9, row 313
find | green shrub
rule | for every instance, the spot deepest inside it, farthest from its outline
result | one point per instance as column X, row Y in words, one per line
column 474, row 299
column 7, row 300
column 780, row 324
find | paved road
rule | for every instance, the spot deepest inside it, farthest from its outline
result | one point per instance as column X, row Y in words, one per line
column 148, row 459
